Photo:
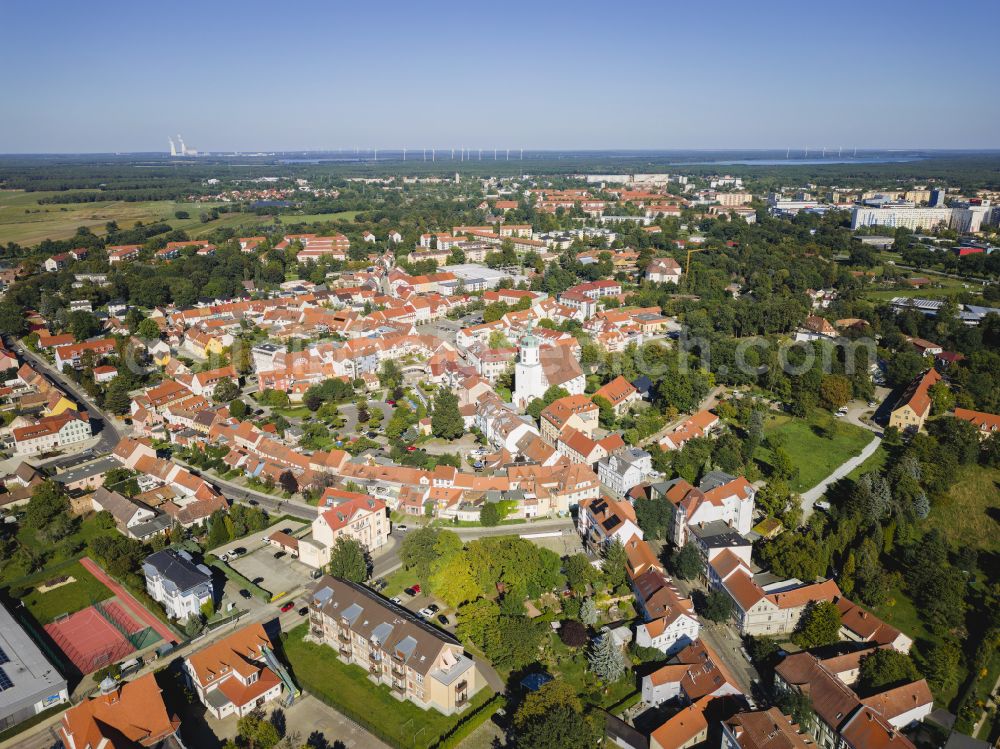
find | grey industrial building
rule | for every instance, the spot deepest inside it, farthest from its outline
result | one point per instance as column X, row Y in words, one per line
column 29, row 683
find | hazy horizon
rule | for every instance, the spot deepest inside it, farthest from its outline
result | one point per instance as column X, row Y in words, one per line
column 121, row 77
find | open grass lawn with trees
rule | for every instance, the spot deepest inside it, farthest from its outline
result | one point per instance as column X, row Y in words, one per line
column 816, row 445
column 969, row 512
column 26, row 221
column 348, row 688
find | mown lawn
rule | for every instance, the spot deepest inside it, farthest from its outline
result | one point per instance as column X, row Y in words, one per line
column 397, row 581
column 347, row 688
column 66, row 599
column 815, row 456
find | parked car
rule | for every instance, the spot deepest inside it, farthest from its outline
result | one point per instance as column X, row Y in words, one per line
column 245, row 593
column 402, row 528
column 396, row 600
column 391, row 402
column 287, row 606
column 372, row 435
column 410, row 449
column 434, row 608
column 443, row 620
column 279, row 554
column 412, row 591
column 303, row 611
column 425, row 613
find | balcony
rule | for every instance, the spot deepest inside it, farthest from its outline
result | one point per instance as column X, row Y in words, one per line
column 461, row 699
column 399, row 687
column 398, row 672
column 343, row 637
column 375, row 668
column 462, row 686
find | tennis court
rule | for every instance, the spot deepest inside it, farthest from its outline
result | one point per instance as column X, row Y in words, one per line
column 99, row 635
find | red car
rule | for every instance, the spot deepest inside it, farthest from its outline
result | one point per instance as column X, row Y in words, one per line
column 287, row 606
column 391, row 402
column 410, row 448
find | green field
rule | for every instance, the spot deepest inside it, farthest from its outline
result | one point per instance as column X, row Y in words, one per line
column 311, row 218
column 815, row 456
column 347, row 688
column 967, row 514
column 70, row 548
column 66, row 599
column 24, row 221
column 874, row 462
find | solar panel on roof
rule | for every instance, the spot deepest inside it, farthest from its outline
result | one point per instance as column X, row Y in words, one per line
column 5, row 682
column 4, row 658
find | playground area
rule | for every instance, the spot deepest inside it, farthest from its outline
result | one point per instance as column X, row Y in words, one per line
column 99, row 635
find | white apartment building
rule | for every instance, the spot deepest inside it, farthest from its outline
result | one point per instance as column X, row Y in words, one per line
column 173, row 579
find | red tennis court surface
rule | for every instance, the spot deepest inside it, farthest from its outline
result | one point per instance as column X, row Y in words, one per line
column 89, row 640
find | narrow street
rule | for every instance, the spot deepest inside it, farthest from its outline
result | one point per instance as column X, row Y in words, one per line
column 725, row 641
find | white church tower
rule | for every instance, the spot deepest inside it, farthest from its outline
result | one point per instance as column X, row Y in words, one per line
column 529, row 380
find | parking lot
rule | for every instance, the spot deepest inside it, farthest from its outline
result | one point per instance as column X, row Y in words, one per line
column 258, row 564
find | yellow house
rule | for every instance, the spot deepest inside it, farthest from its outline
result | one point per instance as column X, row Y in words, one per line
column 59, row 405
column 914, row 405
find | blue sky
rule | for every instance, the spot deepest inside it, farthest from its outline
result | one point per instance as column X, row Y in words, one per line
column 116, row 76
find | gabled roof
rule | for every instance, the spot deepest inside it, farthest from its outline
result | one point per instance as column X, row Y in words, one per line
column 235, row 652
column 133, row 714
column 916, row 395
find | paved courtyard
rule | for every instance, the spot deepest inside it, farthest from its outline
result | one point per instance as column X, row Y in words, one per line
column 276, row 575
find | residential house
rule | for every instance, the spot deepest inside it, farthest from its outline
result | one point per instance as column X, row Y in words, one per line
column 671, row 623
column 176, row 581
column 232, row 676
column 763, row 729
column 914, row 405
column 987, row 424
column 695, row 672
column 52, row 433
column 765, row 611
column 841, row 718
column 664, row 270
column 603, row 520
column 571, row 412
column 133, row 519
column 719, row 496
column 343, row 513
column 418, row 662
column 686, row 728
column 620, row 393
column 123, row 714
column 625, row 469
